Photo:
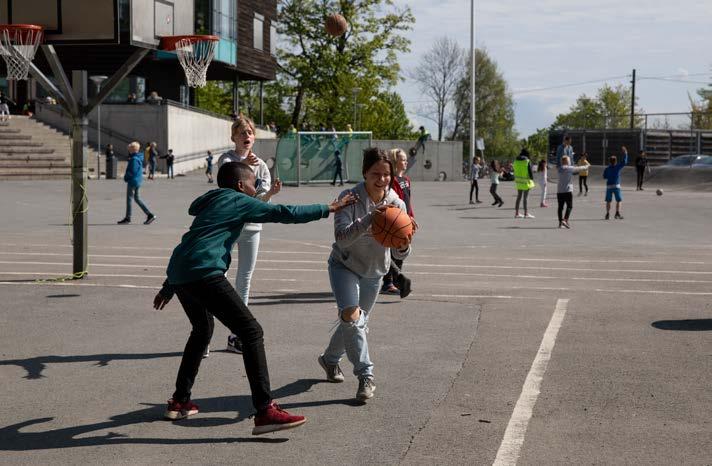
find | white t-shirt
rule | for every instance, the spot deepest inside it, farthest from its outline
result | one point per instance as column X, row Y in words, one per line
column 263, row 180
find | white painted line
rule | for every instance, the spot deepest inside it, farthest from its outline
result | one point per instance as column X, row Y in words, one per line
column 682, row 293
column 119, row 275
column 481, row 296
column 75, row 283
column 511, row 445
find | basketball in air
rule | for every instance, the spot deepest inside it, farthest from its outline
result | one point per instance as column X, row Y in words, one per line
column 336, row 25
column 659, row 192
column 391, row 227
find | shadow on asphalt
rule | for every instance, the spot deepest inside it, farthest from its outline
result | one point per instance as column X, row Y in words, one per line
column 11, row 437
column 687, row 325
column 35, row 366
column 293, row 298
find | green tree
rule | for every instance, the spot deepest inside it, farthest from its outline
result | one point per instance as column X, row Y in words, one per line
column 322, row 72
column 702, row 109
column 609, row 109
column 387, row 118
column 537, row 143
column 494, row 109
column 215, row 97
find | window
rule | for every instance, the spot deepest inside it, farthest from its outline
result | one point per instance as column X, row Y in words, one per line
column 225, row 19
column 273, row 39
column 257, row 41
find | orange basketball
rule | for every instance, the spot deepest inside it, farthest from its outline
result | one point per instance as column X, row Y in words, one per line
column 391, row 227
column 336, row 25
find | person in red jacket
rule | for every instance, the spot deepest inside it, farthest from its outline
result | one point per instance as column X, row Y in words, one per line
column 395, row 282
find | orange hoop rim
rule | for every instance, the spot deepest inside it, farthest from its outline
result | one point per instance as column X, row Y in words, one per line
column 23, row 27
column 169, row 42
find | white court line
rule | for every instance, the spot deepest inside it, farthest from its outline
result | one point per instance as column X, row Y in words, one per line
column 511, row 445
column 118, row 275
column 684, row 293
column 481, row 296
column 74, row 283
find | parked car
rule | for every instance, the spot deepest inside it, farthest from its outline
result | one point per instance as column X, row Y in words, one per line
column 684, row 160
column 703, row 162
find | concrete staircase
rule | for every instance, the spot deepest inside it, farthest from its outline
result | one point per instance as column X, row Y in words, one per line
column 31, row 150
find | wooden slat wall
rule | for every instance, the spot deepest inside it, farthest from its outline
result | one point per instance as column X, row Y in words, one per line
column 255, row 64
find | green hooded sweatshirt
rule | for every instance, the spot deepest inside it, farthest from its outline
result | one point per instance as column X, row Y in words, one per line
column 220, row 215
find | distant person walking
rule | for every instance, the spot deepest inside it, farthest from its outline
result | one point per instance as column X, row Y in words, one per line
column 169, row 158
column 641, row 165
column 612, row 174
column 134, row 178
column 209, row 167
column 5, row 102
column 541, row 171
column 495, row 170
column 583, row 174
column 337, row 168
column 565, row 189
column 423, row 137
column 152, row 160
column 474, row 175
column 524, row 181
column 564, row 148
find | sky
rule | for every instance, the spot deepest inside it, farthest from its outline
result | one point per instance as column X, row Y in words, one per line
column 545, row 43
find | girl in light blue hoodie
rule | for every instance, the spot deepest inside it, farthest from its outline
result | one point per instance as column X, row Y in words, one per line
column 357, row 265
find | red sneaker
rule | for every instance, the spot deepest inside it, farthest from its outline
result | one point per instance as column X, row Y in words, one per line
column 178, row 410
column 274, row 418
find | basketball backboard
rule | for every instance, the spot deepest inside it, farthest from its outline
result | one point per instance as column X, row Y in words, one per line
column 137, row 22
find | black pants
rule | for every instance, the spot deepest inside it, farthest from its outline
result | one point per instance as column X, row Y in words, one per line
column 476, row 188
column 493, row 192
column 583, row 183
column 522, row 195
column 641, row 173
column 393, row 272
column 214, row 296
column 568, row 199
column 337, row 172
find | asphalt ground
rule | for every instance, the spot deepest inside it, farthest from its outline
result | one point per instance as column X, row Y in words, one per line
column 521, row 343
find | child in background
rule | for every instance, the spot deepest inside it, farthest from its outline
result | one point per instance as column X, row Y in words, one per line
column 565, row 189
column 209, row 168
column 524, row 182
column 248, row 243
column 612, row 174
column 583, row 174
column 474, row 175
column 394, row 282
column 357, row 265
column 541, row 170
column 196, row 273
column 495, row 170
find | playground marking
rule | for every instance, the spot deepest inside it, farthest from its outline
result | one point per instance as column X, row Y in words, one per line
column 511, row 445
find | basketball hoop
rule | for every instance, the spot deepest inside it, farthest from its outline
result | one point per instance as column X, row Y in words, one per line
column 195, row 52
column 18, row 45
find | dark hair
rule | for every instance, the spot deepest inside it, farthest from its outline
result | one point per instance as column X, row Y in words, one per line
column 372, row 156
column 612, row 159
column 170, row 150
column 524, row 152
column 542, row 165
column 495, row 165
column 232, row 172
column 567, row 138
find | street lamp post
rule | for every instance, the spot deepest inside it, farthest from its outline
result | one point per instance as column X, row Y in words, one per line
column 98, row 80
column 355, row 92
column 472, row 81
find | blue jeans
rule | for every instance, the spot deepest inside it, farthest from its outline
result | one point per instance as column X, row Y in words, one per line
column 132, row 191
column 352, row 290
column 169, row 170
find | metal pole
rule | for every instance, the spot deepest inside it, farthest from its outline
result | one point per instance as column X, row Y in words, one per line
column 299, row 158
column 80, row 216
column 472, row 82
column 632, row 102
column 262, row 104
column 98, row 143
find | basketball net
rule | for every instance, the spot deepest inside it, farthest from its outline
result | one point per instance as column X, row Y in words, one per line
column 194, row 57
column 18, row 48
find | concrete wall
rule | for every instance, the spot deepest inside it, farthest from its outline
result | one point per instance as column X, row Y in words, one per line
column 440, row 158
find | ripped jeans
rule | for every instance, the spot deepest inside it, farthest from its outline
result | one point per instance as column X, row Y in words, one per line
column 352, row 290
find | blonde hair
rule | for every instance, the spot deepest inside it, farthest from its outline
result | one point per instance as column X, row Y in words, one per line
column 394, row 153
column 565, row 160
column 135, row 145
column 242, row 123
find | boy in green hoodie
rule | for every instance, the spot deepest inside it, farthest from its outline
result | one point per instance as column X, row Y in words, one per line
column 196, row 273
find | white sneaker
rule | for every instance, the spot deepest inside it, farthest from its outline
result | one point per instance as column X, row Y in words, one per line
column 519, row 216
column 529, row 216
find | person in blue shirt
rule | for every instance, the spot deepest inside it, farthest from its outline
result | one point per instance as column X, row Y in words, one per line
column 565, row 148
column 196, row 273
column 612, row 174
column 134, row 178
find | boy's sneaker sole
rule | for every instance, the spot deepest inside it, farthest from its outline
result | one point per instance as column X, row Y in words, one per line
column 259, row 430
